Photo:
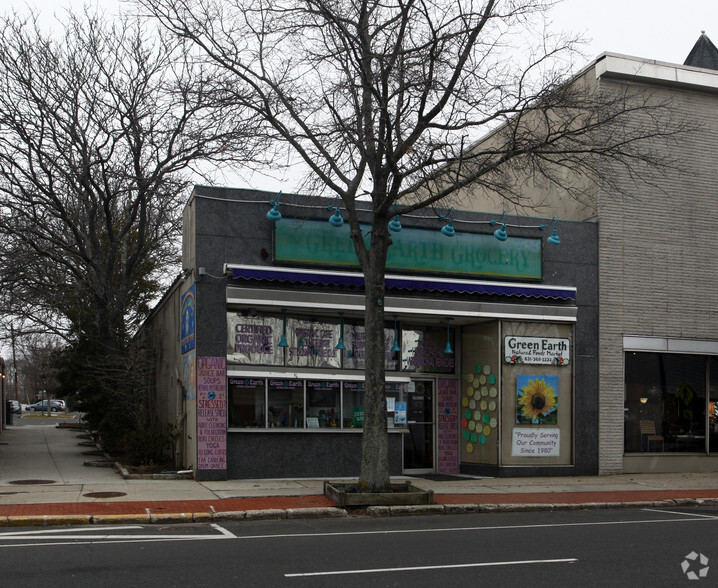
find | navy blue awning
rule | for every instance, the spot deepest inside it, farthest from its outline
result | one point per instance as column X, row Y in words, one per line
column 407, row 283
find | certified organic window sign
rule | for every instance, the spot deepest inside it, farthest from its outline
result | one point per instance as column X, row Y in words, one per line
column 535, row 442
column 536, row 350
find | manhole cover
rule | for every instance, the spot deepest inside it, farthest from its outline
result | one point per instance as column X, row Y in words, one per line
column 104, row 494
column 28, row 482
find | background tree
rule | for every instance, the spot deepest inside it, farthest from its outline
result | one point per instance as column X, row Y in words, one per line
column 384, row 100
column 100, row 128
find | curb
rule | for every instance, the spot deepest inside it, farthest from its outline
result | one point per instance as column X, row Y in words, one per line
column 334, row 512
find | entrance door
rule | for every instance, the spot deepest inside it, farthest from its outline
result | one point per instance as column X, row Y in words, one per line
column 420, row 420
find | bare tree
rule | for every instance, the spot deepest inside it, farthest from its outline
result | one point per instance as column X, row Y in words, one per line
column 384, row 100
column 101, row 127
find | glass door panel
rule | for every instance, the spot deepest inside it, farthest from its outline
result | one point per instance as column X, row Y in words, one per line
column 419, row 442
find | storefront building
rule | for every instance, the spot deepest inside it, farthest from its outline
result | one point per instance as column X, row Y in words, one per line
column 657, row 323
column 491, row 347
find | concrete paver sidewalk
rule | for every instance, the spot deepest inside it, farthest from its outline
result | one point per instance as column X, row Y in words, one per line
column 43, row 481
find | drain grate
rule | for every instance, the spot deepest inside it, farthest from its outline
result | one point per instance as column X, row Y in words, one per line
column 104, row 494
column 30, row 482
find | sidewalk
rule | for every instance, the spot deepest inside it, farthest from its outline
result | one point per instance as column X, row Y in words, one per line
column 43, row 481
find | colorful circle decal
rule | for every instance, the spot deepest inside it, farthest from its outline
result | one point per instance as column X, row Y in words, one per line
column 470, row 378
column 464, row 423
column 469, row 447
column 493, row 392
column 482, row 379
column 487, row 430
column 492, row 423
column 487, row 369
column 484, row 405
column 467, row 435
column 486, row 418
column 492, row 404
column 477, row 369
column 482, row 439
column 492, row 379
column 477, row 415
column 467, row 413
column 484, row 391
column 472, row 425
column 464, row 402
column 474, row 437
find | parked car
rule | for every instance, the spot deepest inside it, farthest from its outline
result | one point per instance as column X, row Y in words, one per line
column 55, row 406
column 15, row 406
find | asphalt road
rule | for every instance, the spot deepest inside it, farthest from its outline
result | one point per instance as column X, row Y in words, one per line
column 632, row 547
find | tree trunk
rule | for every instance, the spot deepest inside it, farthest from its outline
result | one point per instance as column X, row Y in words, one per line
column 374, row 475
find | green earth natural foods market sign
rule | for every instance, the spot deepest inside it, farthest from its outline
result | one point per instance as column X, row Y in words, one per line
column 416, row 250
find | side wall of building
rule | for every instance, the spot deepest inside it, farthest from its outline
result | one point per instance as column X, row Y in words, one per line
column 657, row 253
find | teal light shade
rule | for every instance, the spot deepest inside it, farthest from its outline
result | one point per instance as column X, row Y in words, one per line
column 283, row 340
column 336, row 219
column 340, row 345
column 395, row 225
column 274, row 214
column 396, row 346
column 554, row 238
column 448, row 229
column 501, row 233
column 448, row 348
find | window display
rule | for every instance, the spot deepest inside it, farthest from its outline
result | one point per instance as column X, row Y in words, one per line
column 665, row 402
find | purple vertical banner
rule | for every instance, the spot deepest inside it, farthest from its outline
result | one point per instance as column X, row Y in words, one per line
column 448, row 449
column 211, row 413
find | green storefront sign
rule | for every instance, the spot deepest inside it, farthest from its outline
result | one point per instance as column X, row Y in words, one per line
column 415, row 250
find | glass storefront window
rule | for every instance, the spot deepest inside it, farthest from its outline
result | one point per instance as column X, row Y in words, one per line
column 423, row 350
column 353, row 409
column 246, row 402
column 285, row 402
column 322, row 404
column 396, row 405
column 310, row 404
column 713, row 406
column 665, row 402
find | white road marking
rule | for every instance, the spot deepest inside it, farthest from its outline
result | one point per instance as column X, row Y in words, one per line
column 688, row 514
column 47, row 537
column 437, row 567
column 486, row 528
column 68, row 530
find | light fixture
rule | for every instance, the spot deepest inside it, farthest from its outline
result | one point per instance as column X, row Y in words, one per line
column 554, row 239
column 336, row 219
column 448, row 348
column 340, row 345
column 643, row 400
column 448, row 228
column 396, row 346
column 274, row 214
column 501, row 233
column 283, row 340
column 395, row 225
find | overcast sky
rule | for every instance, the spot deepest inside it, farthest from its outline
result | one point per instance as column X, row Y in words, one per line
column 654, row 29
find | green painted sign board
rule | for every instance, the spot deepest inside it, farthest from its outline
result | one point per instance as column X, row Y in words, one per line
column 419, row 251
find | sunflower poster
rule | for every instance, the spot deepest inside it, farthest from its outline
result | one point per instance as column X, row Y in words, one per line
column 537, row 400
